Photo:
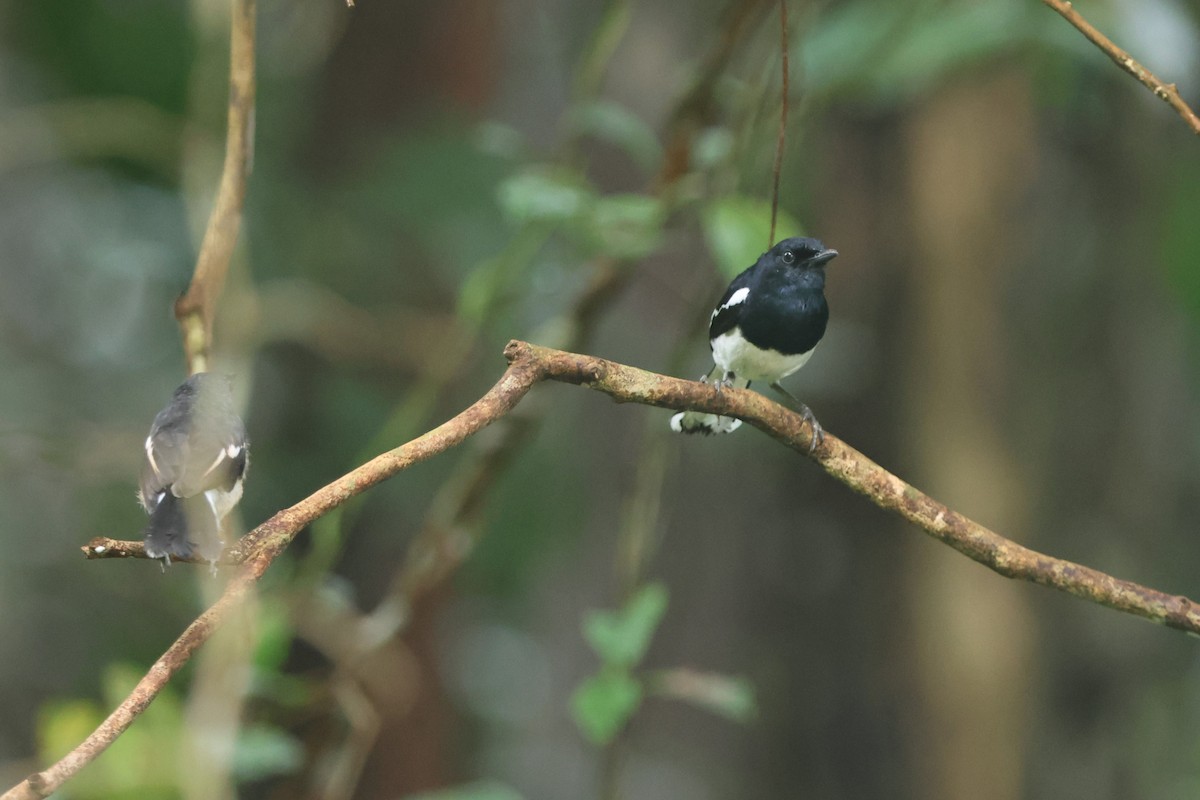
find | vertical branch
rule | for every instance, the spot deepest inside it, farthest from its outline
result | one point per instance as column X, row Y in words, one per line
column 196, row 308
column 783, row 113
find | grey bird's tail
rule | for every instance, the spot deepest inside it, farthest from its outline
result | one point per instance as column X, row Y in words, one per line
column 180, row 526
column 709, row 424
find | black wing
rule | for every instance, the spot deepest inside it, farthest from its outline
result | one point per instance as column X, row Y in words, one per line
column 727, row 313
column 167, row 448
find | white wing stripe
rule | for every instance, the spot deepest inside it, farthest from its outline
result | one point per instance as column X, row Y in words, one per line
column 150, row 455
column 737, row 297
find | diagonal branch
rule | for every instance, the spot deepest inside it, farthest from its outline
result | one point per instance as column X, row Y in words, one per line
column 196, row 308
column 889, row 492
column 1165, row 91
column 530, row 364
column 257, row 550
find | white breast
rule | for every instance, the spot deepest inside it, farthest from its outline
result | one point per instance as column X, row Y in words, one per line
column 733, row 353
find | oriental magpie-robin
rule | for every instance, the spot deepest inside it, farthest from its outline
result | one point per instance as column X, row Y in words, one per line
column 766, row 327
column 196, row 457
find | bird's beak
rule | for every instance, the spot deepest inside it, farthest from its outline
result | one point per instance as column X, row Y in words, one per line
column 823, row 257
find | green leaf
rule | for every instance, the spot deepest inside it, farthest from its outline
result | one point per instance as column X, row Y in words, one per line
column 627, row 225
column 621, row 638
column 603, row 704
column 542, row 193
column 263, row 752
column 480, row 790
column 620, row 126
column 737, row 228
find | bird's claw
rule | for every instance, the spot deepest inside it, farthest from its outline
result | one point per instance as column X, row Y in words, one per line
column 725, row 380
column 818, row 433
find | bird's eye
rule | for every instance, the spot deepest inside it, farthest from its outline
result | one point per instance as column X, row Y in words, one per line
column 789, row 257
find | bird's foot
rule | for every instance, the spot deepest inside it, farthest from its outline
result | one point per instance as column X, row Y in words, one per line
column 720, row 383
column 818, row 433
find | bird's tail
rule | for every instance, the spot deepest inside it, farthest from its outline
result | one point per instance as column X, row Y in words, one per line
column 179, row 527
column 708, row 424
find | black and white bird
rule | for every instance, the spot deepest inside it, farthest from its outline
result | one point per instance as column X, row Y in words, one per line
column 196, row 458
column 766, row 327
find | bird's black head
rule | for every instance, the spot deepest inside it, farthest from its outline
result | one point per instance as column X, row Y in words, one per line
column 801, row 252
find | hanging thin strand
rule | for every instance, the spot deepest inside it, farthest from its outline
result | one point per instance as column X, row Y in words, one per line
column 783, row 113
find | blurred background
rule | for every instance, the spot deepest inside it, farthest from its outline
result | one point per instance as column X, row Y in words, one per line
column 577, row 604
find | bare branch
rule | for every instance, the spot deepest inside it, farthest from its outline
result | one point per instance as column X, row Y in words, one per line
column 256, row 551
column 41, row 784
column 104, row 547
column 196, row 308
column 889, row 492
column 530, row 364
column 1165, row 91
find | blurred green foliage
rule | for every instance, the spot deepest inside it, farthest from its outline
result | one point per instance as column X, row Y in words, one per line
column 613, row 123
column 622, row 637
column 604, row 702
column 435, row 219
column 483, row 790
column 736, row 225
column 143, row 762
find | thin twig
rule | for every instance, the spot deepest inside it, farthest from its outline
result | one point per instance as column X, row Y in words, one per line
column 196, row 308
column 104, row 547
column 783, row 115
column 1165, row 91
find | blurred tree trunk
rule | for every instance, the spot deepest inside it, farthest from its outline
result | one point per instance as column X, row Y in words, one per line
column 969, row 152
